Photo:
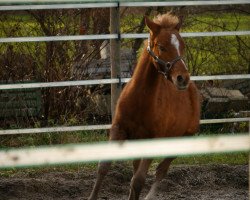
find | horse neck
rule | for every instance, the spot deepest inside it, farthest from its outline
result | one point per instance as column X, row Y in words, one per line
column 145, row 72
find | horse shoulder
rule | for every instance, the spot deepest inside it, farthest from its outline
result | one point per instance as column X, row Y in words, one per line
column 194, row 96
column 124, row 105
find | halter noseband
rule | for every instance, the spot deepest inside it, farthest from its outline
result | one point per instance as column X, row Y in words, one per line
column 167, row 65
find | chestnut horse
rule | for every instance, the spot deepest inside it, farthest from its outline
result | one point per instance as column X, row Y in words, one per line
column 159, row 101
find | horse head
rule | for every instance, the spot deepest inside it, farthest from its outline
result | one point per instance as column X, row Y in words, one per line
column 166, row 48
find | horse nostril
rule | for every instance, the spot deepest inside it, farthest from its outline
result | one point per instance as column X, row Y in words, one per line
column 180, row 79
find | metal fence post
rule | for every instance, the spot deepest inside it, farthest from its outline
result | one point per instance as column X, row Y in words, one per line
column 115, row 55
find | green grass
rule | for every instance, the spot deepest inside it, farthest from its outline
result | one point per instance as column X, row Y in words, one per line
column 216, row 22
column 39, row 139
column 210, row 55
column 199, row 22
column 206, row 62
column 226, row 158
column 25, row 25
column 217, row 55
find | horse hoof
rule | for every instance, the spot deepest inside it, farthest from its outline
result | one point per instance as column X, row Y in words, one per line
column 92, row 198
column 149, row 197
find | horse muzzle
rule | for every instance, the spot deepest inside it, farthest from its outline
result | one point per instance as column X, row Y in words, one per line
column 181, row 81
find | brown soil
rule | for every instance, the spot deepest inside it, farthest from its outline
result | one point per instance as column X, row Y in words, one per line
column 206, row 182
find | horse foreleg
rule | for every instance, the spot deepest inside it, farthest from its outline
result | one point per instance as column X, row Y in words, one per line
column 103, row 169
column 138, row 179
column 136, row 164
column 116, row 134
column 161, row 171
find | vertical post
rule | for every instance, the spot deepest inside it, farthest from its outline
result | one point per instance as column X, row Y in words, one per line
column 115, row 60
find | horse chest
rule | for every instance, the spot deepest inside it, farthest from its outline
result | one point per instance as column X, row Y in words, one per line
column 175, row 112
column 158, row 118
column 155, row 113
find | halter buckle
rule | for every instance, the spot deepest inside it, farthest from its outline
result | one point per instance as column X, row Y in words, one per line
column 168, row 65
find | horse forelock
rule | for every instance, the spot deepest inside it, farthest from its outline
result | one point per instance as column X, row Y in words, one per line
column 168, row 20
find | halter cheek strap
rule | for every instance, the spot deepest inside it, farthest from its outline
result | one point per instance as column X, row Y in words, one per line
column 167, row 65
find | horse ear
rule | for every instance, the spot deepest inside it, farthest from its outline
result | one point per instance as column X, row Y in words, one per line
column 178, row 26
column 154, row 28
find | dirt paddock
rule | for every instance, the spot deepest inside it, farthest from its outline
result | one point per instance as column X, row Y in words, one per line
column 205, row 182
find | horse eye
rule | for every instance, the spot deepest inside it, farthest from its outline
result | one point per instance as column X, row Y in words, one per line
column 162, row 48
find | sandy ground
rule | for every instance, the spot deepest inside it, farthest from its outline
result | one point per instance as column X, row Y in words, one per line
column 206, row 182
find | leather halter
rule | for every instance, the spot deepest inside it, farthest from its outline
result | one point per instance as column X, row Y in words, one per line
column 167, row 65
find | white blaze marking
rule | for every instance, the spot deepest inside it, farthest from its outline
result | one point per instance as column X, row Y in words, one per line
column 175, row 42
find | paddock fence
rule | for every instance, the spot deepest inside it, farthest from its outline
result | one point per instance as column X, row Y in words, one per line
column 123, row 151
column 109, row 151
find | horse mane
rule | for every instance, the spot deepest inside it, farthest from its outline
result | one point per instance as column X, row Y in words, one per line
column 167, row 21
